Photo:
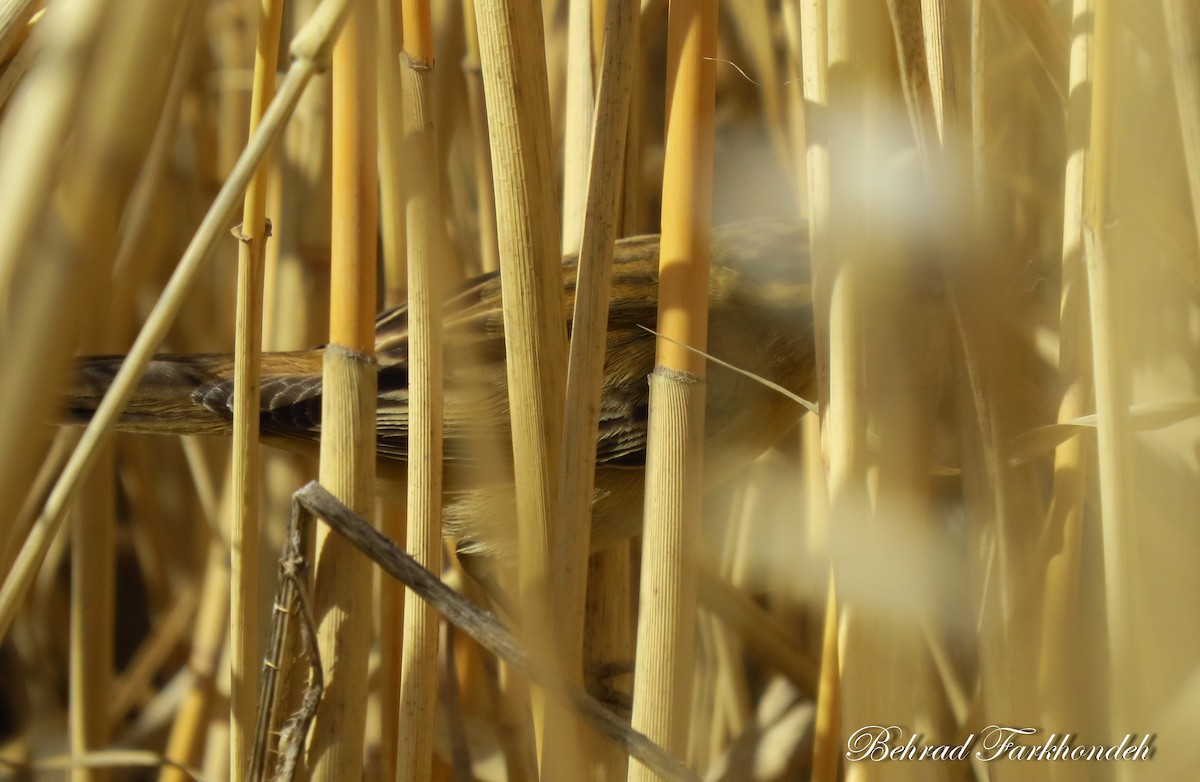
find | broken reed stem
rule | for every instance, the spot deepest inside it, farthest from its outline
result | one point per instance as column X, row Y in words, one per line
column 342, row 600
column 565, row 757
column 674, row 452
column 483, row 627
column 310, row 50
column 423, row 209
column 245, row 535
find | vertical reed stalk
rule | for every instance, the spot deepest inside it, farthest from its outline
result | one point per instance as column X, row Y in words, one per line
column 674, row 483
column 484, row 188
column 1109, row 357
column 393, row 234
column 342, row 590
column 512, row 51
column 1060, row 638
column 423, row 210
column 247, row 471
column 1183, row 35
column 577, row 124
column 565, row 757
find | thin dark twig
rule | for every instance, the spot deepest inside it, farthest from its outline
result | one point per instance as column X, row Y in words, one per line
column 290, row 562
column 291, row 603
column 294, row 734
column 484, row 628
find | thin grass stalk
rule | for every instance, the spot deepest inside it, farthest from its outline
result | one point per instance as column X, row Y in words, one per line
column 342, row 601
column 1183, row 37
column 814, row 48
column 484, row 187
column 565, row 757
column 301, row 243
column 245, row 534
column 423, row 209
column 978, row 82
column 392, row 223
column 666, row 622
column 310, row 50
column 577, row 124
column 512, row 51
column 1111, row 375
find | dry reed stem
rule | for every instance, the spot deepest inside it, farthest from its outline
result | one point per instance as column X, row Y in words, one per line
column 1183, row 36
column 245, row 534
column 571, row 544
column 1109, row 358
column 419, row 675
column 874, row 648
column 1060, row 640
column 577, row 124
column 392, row 226
column 393, row 238
column 342, row 601
column 674, row 483
column 512, row 53
column 485, row 191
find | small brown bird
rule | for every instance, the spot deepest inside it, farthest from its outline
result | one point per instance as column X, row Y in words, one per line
column 760, row 320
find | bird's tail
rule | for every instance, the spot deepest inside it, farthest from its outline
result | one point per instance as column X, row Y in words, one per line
column 172, row 397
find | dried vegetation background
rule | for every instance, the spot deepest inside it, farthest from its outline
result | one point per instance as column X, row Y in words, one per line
column 994, row 522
